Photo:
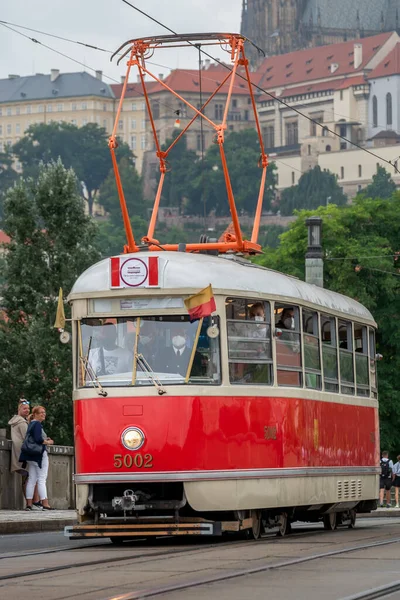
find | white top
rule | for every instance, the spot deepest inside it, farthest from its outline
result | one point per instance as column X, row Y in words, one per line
column 226, row 273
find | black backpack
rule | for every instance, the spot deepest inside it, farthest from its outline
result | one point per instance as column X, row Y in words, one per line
column 386, row 471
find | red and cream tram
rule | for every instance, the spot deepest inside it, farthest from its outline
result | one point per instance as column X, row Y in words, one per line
column 261, row 412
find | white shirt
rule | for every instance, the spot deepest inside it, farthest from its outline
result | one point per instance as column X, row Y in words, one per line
column 396, row 468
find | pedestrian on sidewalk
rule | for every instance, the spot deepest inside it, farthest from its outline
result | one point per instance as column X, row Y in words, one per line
column 396, row 480
column 34, row 452
column 385, row 482
column 19, row 426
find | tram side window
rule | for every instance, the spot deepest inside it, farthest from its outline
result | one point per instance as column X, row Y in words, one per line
column 361, row 358
column 312, row 361
column 372, row 363
column 329, row 353
column 249, row 341
column 288, row 345
column 345, row 331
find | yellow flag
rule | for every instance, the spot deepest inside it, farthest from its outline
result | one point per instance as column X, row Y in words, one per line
column 60, row 316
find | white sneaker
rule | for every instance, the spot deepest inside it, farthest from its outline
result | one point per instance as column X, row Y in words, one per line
column 397, row 505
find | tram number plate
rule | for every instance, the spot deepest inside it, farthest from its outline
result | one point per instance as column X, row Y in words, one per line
column 128, row 461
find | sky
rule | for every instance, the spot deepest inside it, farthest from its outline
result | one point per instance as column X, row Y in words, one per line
column 106, row 24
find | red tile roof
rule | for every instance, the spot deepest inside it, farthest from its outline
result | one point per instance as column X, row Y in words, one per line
column 309, row 88
column 389, row 66
column 133, row 90
column 187, row 80
column 350, row 81
column 315, row 63
column 4, row 239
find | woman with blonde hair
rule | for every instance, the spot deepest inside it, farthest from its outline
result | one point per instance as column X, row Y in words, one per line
column 34, row 452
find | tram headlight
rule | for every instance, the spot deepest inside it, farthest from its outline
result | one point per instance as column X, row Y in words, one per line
column 133, row 438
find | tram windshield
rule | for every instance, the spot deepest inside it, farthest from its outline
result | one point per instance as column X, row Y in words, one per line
column 139, row 351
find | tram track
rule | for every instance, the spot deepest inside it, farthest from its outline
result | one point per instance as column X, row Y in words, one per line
column 164, row 590
column 383, row 591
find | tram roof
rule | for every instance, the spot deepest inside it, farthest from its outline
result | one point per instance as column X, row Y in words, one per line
column 189, row 273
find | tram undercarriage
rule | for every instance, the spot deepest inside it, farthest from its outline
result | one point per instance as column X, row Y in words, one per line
column 121, row 512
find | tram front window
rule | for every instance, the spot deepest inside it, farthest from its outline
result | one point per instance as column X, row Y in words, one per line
column 139, row 351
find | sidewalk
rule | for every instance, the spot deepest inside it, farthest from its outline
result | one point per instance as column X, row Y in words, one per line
column 20, row 521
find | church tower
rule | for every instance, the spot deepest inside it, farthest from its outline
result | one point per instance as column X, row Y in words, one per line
column 273, row 25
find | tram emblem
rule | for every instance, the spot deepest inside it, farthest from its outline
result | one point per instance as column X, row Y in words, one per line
column 134, row 272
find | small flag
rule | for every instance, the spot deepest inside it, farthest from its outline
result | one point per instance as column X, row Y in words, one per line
column 60, row 316
column 201, row 304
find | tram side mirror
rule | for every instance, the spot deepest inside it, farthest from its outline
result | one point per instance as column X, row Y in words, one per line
column 378, row 357
column 213, row 332
column 65, row 337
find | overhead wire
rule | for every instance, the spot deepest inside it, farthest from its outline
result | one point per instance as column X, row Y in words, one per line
column 294, row 109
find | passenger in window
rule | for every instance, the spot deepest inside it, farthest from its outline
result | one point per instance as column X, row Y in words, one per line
column 286, row 320
column 107, row 358
column 257, row 313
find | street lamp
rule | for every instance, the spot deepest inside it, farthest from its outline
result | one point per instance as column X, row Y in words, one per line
column 314, row 254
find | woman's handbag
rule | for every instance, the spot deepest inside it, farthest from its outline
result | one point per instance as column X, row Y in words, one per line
column 30, row 446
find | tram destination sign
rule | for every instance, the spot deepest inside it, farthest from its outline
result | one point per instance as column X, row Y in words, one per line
column 134, row 272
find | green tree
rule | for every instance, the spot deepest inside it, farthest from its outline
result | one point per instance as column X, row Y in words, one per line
column 382, row 185
column 85, row 149
column 7, row 176
column 360, row 243
column 52, row 242
column 315, row 188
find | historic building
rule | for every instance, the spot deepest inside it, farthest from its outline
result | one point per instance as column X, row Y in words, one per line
column 280, row 26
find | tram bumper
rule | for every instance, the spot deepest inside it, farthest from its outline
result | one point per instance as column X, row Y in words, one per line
column 143, row 528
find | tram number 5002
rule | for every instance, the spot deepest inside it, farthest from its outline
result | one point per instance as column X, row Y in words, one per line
column 138, row 460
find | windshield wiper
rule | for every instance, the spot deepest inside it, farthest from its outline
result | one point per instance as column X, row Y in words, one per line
column 146, row 368
column 91, row 372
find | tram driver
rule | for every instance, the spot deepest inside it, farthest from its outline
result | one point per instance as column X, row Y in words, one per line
column 108, row 358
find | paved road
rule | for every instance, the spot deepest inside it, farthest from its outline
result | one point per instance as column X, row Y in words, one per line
column 111, row 571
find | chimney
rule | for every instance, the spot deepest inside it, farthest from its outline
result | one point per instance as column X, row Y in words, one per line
column 358, row 55
column 207, row 63
column 54, row 73
column 99, row 75
column 123, row 79
column 161, row 76
column 138, row 78
column 12, row 76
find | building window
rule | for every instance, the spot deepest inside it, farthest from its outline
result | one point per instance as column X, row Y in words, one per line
column 389, row 109
column 60, row 107
column 143, row 123
column 309, row 150
column 360, row 170
column 200, row 142
column 269, row 136
column 84, row 122
column 40, row 108
column 328, row 148
column 28, row 109
column 73, row 106
column 341, row 94
column 49, row 108
column 341, row 172
column 133, row 107
column 314, row 125
column 246, row 115
column 120, row 125
column 143, row 142
column 375, row 111
column 9, row 143
column 9, row 129
column 17, row 128
column 17, row 110
column 218, row 112
column 104, row 107
column 155, row 108
column 9, row 112
column 84, row 106
column 292, row 133
column 143, row 105
column 105, row 123
column 133, row 142
column 133, row 124
column 234, row 103
column 1, row 111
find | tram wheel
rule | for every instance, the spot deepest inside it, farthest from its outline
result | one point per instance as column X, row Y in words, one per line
column 283, row 525
column 255, row 531
column 330, row 521
column 117, row 540
column 353, row 517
